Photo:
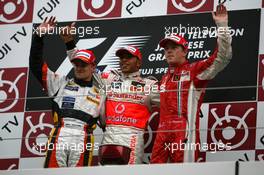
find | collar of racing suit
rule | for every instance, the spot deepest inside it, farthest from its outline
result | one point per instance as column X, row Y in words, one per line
column 83, row 83
column 172, row 69
column 131, row 75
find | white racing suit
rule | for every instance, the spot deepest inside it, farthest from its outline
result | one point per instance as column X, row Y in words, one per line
column 75, row 110
column 127, row 111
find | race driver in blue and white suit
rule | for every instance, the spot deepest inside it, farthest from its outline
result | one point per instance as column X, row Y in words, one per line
column 76, row 104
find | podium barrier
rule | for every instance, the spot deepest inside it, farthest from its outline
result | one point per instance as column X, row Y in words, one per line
column 208, row 168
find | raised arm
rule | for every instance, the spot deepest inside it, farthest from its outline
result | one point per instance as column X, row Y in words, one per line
column 39, row 68
column 208, row 69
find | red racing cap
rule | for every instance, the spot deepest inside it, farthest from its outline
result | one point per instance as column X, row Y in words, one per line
column 177, row 39
column 129, row 49
column 85, row 55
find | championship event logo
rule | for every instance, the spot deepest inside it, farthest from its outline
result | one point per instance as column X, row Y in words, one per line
column 189, row 6
column 16, row 11
column 12, row 89
column 88, row 9
column 233, row 124
column 37, row 127
column 109, row 61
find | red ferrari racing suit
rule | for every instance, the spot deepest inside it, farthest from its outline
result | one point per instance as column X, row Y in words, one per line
column 180, row 103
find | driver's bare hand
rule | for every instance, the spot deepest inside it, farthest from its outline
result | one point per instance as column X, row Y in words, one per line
column 46, row 26
column 221, row 14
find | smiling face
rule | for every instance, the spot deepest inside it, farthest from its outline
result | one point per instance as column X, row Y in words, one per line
column 129, row 63
column 83, row 71
column 175, row 54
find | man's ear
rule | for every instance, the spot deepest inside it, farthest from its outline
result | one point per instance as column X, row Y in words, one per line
column 93, row 66
column 185, row 51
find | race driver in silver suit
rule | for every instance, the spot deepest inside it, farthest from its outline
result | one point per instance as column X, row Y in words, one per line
column 75, row 104
column 127, row 109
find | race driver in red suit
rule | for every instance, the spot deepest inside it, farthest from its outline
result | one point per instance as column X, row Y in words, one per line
column 185, row 86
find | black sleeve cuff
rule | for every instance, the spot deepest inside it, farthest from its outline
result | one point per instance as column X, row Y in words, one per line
column 37, row 38
column 70, row 45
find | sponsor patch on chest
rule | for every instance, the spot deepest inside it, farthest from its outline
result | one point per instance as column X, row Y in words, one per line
column 71, row 88
column 68, row 102
column 183, row 76
column 93, row 97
